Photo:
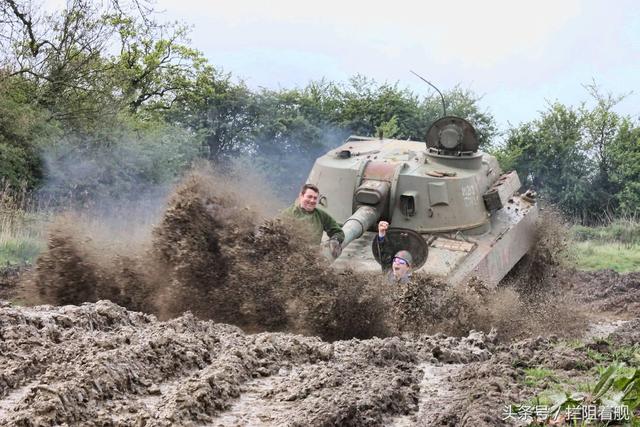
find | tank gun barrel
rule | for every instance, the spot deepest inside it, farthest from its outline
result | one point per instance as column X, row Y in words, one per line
column 371, row 198
column 362, row 219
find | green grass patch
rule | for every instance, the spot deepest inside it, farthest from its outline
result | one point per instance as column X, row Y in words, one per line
column 22, row 236
column 597, row 255
column 617, row 385
column 534, row 376
column 573, row 344
column 623, row 231
column 19, row 251
column 628, row 355
column 615, row 246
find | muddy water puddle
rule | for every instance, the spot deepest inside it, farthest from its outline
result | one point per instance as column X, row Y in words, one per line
column 256, row 406
column 436, row 395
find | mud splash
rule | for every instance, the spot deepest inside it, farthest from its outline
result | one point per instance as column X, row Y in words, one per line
column 10, row 277
column 218, row 257
column 465, row 351
column 212, row 255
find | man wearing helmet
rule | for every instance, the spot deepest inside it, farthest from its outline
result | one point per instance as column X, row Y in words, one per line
column 399, row 264
column 400, row 268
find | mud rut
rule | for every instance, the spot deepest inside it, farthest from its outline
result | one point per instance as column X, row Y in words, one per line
column 99, row 363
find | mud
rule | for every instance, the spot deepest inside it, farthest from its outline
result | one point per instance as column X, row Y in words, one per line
column 10, row 277
column 216, row 256
column 215, row 315
column 99, row 364
column 605, row 291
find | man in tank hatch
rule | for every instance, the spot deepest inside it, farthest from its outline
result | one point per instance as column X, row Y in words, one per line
column 305, row 209
column 397, row 263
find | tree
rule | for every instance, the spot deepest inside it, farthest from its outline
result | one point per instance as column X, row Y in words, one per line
column 154, row 67
column 23, row 131
column 624, row 156
column 601, row 128
column 550, row 156
column 60, row 54
column 362, row 105
column 581, row 159
column 97, row 73
column 223, row 113
column 91, row 60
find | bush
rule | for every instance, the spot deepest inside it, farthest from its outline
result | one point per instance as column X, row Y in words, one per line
column 125, row 164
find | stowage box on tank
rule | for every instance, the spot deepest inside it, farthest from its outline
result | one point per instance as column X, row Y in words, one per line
column 446, row 201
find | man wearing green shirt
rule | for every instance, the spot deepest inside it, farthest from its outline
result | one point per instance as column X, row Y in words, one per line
column 305, row 209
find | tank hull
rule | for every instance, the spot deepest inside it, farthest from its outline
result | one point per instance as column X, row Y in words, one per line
column 456, row 257
column 463, row 212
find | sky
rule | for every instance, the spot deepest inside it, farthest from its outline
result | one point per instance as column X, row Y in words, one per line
column 518, row 55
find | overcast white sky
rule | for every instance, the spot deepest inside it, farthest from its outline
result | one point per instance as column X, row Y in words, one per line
column 516, row 54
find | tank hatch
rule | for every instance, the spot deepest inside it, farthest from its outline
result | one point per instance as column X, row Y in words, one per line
column 452, row 136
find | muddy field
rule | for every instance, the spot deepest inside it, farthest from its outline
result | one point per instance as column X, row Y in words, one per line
column 96, row 332
column 100, row 364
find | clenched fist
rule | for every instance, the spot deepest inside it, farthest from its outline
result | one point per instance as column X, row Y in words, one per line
column 382, row 228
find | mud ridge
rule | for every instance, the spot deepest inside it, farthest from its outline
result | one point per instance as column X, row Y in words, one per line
column 100, row 364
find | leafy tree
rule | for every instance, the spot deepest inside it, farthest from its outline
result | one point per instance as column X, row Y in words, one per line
column 624, row 155
column 550, row 156
column 601, row 128
column 92, row 59
column 582, row 159
column 222, row 113
column 23, row 130
column 464, row 103
column 364, row 105
column 60, row 54
column 154, row 67
column 287, row 139
column 388, row 129
column 141, row 157
column 97, row 74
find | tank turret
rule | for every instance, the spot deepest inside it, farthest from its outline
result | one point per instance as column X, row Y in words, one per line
column 447, row 202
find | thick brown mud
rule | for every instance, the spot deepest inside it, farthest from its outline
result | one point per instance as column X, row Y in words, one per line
column 215, row 314
column 10, row 277
column 99, row 364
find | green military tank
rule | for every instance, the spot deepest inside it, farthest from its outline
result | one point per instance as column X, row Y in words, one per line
column 446, row 201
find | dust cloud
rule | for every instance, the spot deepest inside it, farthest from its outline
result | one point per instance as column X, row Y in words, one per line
column 219, row 251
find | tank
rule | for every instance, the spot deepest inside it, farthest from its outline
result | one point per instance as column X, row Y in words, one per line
column 446, row 201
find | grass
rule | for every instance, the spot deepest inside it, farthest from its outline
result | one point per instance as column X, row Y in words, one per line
column 629, row 355
column 534, row 376
column 622, row 231
column 615, row 246
column 20, row 252
column 22, row 235
column 593, row 255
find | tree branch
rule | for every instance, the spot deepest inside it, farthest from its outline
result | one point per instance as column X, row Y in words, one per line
column 34, row 46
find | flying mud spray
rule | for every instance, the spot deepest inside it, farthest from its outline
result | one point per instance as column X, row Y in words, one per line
column 218, row 252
